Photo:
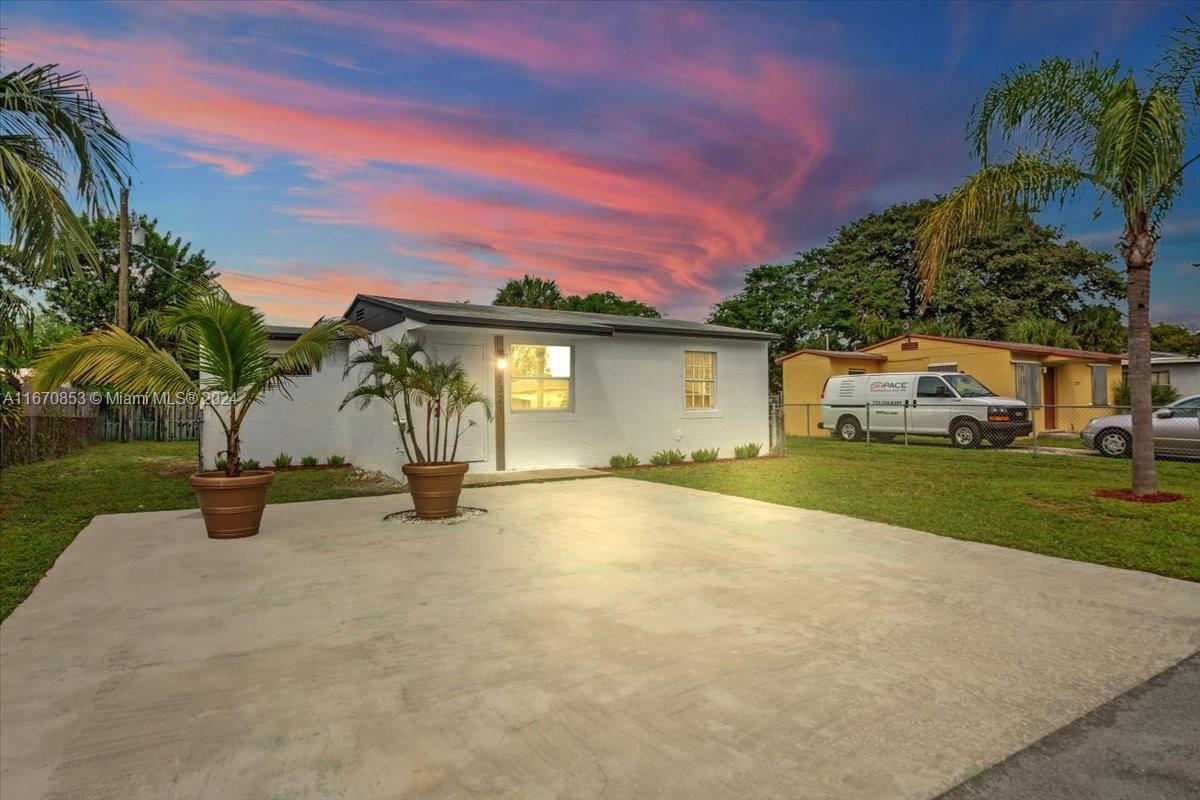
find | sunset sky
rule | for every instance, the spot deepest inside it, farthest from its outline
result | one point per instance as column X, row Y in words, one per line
column 435, row 150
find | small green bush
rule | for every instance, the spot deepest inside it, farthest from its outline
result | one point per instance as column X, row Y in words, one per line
column 336, row 460
column 748, row 450
column 623, row 462
column 664, row 457
column 1160, row 394
column 705, row 455
column 308, row 461
column 282, row 460
column 250, row 463
column 221, row 464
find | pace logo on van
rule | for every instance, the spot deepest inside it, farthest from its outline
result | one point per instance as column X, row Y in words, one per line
column 889, row 386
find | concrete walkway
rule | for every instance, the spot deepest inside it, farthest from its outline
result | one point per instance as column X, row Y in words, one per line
column 583, row 639
column 511, row 477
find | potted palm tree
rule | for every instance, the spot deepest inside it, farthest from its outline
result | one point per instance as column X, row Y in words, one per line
column 405, row 378
column 222, row 360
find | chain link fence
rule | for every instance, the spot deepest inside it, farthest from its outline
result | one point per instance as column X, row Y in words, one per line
column 1048, row 429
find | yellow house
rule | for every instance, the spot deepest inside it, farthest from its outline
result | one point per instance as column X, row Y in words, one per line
column 1066, row 387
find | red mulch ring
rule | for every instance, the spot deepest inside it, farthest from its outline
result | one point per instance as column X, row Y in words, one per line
column 1129, row 496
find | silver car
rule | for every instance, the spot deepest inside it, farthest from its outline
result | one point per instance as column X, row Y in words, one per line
column 1176, row 431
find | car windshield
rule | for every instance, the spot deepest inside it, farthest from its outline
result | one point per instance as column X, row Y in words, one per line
column 966, row 386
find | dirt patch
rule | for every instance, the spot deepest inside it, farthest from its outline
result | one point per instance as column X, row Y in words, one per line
column 1129, row 496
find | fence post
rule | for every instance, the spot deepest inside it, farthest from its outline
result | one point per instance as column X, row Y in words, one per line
column 1035, row 431
column 807, row 421
column 868, row 407
column 906, row 423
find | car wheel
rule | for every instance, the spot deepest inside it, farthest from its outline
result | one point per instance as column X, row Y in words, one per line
column 1000, row 441
column 848, row 429
column 965, row 435
column 1114, row 443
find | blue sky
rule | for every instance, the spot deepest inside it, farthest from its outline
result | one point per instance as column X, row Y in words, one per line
column 437, row 149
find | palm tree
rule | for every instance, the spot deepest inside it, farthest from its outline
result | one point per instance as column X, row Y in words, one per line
column 1041, row 330
column 222, row 360
column 55, row 141
column 530, row 292
column 403, row 376
column 1073, row 124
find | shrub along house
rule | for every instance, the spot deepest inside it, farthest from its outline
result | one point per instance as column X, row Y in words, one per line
column 1042, row 376
column 568, row 388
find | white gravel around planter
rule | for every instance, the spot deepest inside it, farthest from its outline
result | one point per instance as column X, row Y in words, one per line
column 410, row 517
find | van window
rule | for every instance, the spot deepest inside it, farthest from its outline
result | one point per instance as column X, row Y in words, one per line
column 931, row 386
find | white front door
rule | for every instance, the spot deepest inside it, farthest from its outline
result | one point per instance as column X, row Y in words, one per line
column 473, row 442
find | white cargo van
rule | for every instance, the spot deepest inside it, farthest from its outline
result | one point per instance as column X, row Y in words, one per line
column 925, row 403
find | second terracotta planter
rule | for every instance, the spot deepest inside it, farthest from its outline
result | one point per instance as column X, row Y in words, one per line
column 232, row 507
column 435, row 488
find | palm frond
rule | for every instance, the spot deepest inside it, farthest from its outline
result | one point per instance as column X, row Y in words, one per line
column 987, row 198
column 59, row 109
column 1055, row 107
column 45, row 233
column 114, row 358
column 1178, row 67
column 1139, row 147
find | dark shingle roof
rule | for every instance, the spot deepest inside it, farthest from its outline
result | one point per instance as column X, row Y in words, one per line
column 438, row 313
column 285, row 331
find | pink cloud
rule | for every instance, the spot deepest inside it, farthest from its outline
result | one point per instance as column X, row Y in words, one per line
column 227, row 164
column 662, row 217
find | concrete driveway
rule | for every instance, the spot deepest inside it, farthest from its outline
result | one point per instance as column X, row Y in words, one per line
column 601, row 638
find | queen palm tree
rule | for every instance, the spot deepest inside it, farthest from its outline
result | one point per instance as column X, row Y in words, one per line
column 222, row 360
column 1073, row 124
column 55, row 142
column 403, row 376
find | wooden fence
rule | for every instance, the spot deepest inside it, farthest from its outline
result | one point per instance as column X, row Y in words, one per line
column 55, row 429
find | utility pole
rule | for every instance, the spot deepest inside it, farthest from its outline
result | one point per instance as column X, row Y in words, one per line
column 123, row 265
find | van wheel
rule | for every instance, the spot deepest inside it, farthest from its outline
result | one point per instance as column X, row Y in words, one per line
column 965, row 434
column 848, row 429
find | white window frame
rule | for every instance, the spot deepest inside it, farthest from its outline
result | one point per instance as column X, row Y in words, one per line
column 684, row 394
column 511, row 377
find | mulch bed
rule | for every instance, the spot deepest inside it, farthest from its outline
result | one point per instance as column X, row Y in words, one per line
column 1128, row 496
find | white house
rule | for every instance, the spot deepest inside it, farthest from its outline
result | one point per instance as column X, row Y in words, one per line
column 604, row 385
column 1173, row 369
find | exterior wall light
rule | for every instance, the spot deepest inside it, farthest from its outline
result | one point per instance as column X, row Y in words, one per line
column 501, row 363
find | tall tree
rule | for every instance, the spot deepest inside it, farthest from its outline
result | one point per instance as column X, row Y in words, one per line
column 56, row 142
column 863, row 285
column 160, row 271
column 530, row 292
column 609, row 303
column 1170, row 338
column 1071, row 124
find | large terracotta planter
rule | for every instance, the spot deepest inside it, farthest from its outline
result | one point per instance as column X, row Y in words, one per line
column 435, row 488
column 232, row 507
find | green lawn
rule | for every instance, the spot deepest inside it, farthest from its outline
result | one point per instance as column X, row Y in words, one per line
column 43, row 506
column 1038, row 503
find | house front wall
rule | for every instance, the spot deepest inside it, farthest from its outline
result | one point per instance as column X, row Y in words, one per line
column 626, row 397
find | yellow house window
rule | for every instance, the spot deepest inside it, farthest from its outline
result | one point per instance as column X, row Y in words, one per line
column 699, row 380
column 540, row 377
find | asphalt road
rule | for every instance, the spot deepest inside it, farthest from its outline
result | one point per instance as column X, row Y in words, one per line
column 1143, row 744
